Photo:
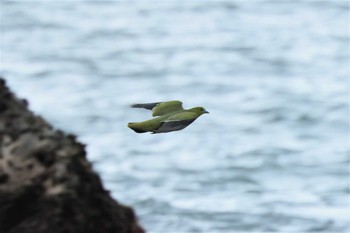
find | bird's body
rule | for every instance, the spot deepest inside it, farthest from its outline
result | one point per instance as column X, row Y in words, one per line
column 169, row 116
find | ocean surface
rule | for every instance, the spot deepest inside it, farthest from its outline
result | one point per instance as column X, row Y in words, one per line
column 272, row 155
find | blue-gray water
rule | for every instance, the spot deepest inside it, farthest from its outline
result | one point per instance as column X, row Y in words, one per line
column 273, row 154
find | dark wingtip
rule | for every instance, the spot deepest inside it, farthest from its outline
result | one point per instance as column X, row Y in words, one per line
column 137, row 105
column 146, row 106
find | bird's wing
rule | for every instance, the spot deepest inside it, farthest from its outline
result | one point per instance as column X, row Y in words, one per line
column 161, row 108
column 176, row 122
column 173, row 126
column 148, row 106
column 167, row 107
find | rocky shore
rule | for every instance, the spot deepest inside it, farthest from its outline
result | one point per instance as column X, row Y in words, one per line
column 46, row 182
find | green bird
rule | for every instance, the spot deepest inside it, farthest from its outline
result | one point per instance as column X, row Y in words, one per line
column 169, row 116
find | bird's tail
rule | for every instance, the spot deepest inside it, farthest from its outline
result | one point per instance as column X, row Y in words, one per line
column 134, row 126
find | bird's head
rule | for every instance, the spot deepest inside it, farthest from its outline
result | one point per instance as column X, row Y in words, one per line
column 199, row 110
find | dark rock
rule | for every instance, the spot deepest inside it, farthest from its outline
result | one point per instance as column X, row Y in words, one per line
column 3, row 178
column 46, row 183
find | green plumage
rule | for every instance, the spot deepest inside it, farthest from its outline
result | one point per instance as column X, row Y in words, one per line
column 169, row 116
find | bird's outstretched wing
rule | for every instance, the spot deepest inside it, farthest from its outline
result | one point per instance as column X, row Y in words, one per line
column 161, row 108
column 148, row 106
column 175, row 122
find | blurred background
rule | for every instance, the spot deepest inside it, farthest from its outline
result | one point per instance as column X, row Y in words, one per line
column 272, row 155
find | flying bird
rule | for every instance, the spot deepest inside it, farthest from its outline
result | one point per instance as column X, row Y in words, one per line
column 168, row 116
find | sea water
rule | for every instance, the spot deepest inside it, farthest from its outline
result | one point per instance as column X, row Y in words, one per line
column 272, row 155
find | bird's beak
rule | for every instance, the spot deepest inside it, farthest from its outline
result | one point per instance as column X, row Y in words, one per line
column 206, row 111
